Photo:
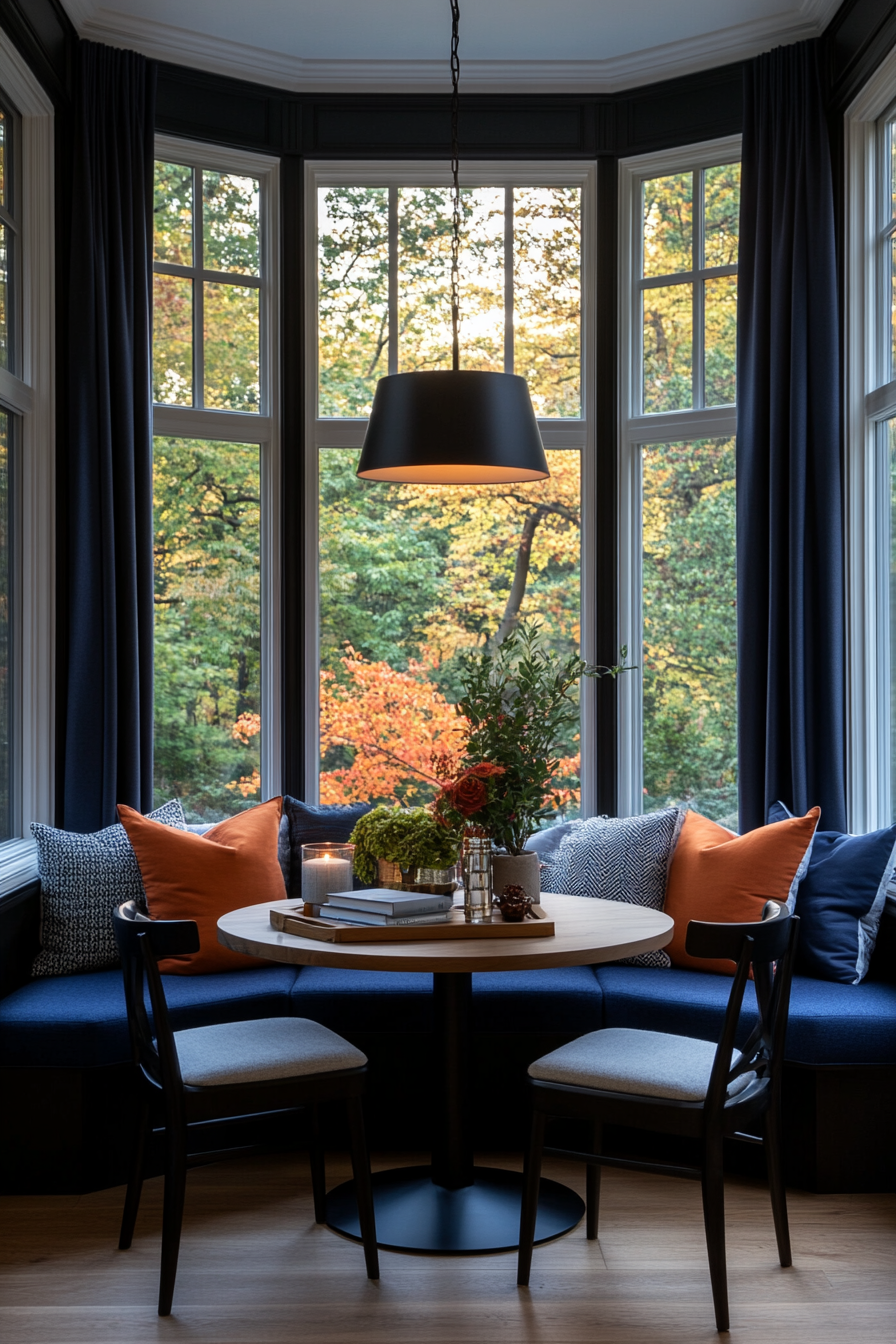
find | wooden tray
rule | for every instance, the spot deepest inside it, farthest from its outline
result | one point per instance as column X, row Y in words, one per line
column 330, row 931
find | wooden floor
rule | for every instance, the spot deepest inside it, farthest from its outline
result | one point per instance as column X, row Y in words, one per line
column 254, row 1268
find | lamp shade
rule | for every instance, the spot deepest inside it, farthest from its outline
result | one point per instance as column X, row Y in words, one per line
column 463, row 427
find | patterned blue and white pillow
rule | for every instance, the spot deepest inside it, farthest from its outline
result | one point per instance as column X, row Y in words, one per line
column 82, row 879
column 619, row 859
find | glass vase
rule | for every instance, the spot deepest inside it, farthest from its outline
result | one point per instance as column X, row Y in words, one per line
column 477, row 863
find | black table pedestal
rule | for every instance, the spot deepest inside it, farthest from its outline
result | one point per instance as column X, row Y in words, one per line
column 453, row 1207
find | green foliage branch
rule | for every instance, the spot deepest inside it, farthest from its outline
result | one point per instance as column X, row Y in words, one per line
column 518, row 697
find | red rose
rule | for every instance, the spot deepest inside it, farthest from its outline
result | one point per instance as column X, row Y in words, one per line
column 470, row 794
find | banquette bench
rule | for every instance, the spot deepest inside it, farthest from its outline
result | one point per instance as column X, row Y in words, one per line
column 66, row 1081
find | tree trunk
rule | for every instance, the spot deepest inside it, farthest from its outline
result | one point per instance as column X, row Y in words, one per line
column 510, row 619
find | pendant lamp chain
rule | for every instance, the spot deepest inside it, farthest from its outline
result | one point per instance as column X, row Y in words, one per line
column 455, row 168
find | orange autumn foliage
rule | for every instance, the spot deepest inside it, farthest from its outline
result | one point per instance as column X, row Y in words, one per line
column 394, row 722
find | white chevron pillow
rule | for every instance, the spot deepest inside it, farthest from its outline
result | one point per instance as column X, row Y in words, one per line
column 619, row 859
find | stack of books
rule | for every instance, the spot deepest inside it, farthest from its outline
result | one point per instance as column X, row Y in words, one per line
column 380, row 905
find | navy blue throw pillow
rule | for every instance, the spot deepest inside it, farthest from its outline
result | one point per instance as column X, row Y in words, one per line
column 841, row 899
column 312, row 824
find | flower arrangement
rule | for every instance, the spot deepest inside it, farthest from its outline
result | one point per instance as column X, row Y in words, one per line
column 518, row 703
column 409, row 836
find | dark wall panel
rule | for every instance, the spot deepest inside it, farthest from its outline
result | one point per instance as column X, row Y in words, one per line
column 682, row 112
column 201, row 106
column 227, row 111
column 352, row 127
column 856, row 40
column 44, row 35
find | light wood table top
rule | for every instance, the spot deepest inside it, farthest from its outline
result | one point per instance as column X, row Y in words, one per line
column 587, row 931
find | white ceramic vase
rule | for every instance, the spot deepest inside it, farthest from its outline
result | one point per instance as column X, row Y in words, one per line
column 519, row 870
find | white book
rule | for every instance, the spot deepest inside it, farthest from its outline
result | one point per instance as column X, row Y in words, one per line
column 374, row 917
column 384, row 901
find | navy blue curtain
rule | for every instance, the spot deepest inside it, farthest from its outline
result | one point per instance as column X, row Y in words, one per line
column 789, row 527
column 108, row 702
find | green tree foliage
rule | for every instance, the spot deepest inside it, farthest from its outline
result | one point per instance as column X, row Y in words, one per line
column 207, row 628
column 229, row 378
column 670, row 252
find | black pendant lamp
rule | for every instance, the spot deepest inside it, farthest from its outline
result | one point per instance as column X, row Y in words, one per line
column 459, row 427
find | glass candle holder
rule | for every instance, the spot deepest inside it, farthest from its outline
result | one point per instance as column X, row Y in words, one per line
column 325, row 869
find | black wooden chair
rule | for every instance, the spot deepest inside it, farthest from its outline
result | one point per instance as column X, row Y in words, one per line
column 675, row 1085
column 208, row 1074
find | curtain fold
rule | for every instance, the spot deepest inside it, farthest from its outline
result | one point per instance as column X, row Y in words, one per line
column 108, row 706
column 791, row 710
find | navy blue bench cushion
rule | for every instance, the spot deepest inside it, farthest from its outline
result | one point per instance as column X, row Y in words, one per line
column 80, row 1020
column 567, row 999
column 829, row 1023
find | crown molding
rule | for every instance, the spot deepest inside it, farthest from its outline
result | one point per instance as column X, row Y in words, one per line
column 182, row 46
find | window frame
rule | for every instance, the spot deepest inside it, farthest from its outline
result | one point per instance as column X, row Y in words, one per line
column 638, row 429
column 330, row 432
column 250, row 427
column 869, row 401
column 29, row 395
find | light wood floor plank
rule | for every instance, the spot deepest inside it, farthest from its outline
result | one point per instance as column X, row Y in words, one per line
column 255, row 1269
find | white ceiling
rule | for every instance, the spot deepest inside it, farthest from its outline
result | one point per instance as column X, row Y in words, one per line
column 402, row 45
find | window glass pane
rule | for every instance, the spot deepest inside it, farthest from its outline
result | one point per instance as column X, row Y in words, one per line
column 410, row 576
column 231, row 347
column 230, row 223
column 547, row 296
column 720, row 340
column 173, row 213
column 721, row 217
column 667, row 214
column 424, row 278
column 891, row 445
column 667, row 334
column 353, row 297
column 690, row 627
column 6, row 590
column 172, row 340
column 891, row 245
column 891, row 135
column 5, row 291
column 207, row 626
column 3, row 146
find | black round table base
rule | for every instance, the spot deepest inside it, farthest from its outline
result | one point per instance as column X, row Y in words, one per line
column 412, row 1214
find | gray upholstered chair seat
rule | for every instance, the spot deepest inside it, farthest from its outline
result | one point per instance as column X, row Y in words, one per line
column 256, row 1052
column 639, row 1063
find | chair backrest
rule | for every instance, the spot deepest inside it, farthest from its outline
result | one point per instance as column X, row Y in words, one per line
column 767, row 948
column 141, row 942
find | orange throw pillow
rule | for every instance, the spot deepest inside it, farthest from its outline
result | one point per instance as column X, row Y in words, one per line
column 202, row 877
column 727, row 879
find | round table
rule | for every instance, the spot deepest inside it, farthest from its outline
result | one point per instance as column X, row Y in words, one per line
column 453, row 1207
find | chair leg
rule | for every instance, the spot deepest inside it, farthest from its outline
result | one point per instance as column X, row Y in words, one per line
column 529, row 1209
column 363, row 1186
column 774, row 1159
column 318, row 1168
column 135, row 1179
column 714, row 1222
column 592, row 1185
column 172, row 1213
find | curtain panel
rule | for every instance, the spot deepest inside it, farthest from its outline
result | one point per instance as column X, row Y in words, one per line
column 108, row 701
column 791, row 704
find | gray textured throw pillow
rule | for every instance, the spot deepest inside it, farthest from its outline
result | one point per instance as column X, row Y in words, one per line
column 619, row 859
column 83, row 878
